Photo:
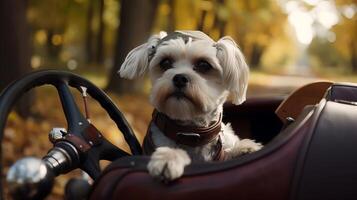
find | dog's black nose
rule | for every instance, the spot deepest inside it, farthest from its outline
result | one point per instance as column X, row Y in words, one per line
column 180, row 80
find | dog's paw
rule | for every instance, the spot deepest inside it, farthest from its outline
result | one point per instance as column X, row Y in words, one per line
column 167, row 163
column 248, row 146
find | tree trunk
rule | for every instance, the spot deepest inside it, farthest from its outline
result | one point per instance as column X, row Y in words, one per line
column 100, row 35
column 219, row 23
column 52, row 49
column 14, row 47
column 201, row 22
column 89, row 32
column 256, row 55
column 136, row 20
column 172, row 16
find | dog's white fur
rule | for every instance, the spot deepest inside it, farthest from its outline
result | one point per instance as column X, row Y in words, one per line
column 204, row 94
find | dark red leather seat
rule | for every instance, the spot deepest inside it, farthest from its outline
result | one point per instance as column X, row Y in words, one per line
column 313, row 158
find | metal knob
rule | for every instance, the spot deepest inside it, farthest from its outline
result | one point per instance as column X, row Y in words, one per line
column 29, row 178
column 56, row 134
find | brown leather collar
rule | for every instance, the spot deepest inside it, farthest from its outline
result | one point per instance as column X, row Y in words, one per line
column 149, row 146
column 187, row 135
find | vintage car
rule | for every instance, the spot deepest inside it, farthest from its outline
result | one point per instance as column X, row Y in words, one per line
column 309, row 137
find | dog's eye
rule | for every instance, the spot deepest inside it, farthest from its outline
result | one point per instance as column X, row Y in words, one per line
column 202, row 66
column 166, row 63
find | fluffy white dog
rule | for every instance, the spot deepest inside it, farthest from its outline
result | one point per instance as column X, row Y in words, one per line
column 192, row 76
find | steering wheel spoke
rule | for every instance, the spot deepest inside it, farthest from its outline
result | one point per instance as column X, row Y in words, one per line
column 105, row 151
column 75, row 119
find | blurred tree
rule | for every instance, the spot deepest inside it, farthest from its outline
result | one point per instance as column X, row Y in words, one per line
column 325, row 54
column 172, row 16
column 177, row 15
column 136, row 21
column 256, row 23
column 221, row 18
column 338, row 47
column 53, row 17
column 253, row 24
column 95, row 32
column 201, row 21
column 346, row 32
column 100, row 35
column 14, row 47
column 89, row 32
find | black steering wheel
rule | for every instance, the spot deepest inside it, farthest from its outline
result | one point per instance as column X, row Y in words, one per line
column 86, row 139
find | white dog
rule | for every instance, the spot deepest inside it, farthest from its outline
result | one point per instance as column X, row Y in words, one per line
column 191, row 76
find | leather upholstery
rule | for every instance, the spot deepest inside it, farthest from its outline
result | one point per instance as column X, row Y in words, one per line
column 264, row 178
column 313, row 158
column 342, row 92
column 329, row 167
column 241, row 178
column 255, row 118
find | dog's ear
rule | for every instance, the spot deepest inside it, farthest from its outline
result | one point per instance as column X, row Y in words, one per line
column 235, row 69
column 137, row 61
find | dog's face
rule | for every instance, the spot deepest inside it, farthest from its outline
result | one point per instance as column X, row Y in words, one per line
column 187, row 78
column 191, row 74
